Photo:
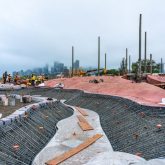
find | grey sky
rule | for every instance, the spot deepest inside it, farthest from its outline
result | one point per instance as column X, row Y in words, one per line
column 35, row 32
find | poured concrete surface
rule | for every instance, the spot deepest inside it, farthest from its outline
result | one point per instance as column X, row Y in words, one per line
column 70, row 135
column 142, row 93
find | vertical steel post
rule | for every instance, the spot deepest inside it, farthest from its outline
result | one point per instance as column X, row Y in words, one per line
column 151, row 63
column 72, row 61
column 105, row 62
column 129, row 64
column 140, row 36
column 98, row 56
column 123, row 65
column 126, row 61
column 161, row 66
column 145, row 53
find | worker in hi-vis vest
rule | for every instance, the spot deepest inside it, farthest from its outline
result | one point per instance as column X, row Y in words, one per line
column 33, row 78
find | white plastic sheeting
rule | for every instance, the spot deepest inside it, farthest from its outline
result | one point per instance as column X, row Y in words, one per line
column 163, row 101
column 41, row 85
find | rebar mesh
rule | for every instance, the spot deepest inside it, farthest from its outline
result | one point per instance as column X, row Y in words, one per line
column 25, row 137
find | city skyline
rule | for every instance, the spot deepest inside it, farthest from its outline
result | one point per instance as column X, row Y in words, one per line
column 56, row 68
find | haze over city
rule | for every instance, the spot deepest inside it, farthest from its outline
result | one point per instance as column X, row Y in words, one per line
column 36, row 32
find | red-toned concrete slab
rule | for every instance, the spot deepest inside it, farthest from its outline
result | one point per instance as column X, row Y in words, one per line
column 156, row 79
column 143, row 93
column 74, row 151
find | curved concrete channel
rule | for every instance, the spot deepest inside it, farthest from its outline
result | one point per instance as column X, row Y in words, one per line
column 130, row 127
column 70, row 135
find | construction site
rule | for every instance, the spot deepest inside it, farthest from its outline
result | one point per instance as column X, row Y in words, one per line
column 101, row 119
column 56, row 125
column 98, row 116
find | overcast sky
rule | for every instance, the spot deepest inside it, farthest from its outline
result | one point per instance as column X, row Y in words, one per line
column 36, row 32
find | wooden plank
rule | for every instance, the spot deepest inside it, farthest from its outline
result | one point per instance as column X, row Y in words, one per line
column 84, row 113
column 85, row 126
column 74, row 151
column 81, row 118
column 83, row 123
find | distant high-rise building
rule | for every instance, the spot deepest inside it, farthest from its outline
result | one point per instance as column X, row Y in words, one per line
column 14, row 73
column 46, row 69
column 61, row 67
column 21, row 73
column 52, row 70
column 76, row 64
column 58, row 68
column 28, row 72
column 37, row 71
column 66, row 71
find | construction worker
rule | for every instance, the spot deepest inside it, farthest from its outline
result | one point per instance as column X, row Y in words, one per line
column 16, row 78
column 33, row 78
column 9, row 78
column 6, row 75
column 42, row 78
column 4, row 78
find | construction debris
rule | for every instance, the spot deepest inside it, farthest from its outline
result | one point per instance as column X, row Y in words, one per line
column 95, row 81
column 59, row 86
